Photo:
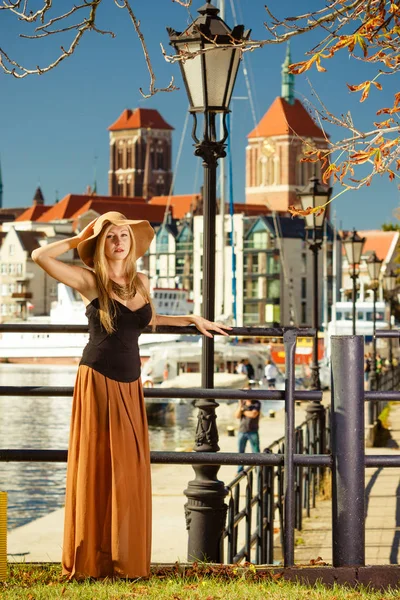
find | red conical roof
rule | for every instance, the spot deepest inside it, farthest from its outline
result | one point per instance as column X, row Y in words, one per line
column 283, row 118
column 140, row 118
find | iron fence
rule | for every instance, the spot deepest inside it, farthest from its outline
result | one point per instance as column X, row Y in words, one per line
column 293, row 466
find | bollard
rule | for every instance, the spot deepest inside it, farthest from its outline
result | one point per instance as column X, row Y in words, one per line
column 3, row 536
column 230, row 430
column 348, row 470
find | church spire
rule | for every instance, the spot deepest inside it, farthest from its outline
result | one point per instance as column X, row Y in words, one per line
column 1, row 189
column 287, row 78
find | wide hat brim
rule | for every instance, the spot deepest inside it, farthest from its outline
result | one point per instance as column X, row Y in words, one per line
column 142, row 232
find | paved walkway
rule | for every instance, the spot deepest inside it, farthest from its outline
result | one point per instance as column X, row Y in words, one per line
column 41, row 540
column 382, row 535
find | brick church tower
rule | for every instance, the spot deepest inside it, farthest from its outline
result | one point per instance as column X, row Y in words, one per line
column 276, row 146
column 140, row 154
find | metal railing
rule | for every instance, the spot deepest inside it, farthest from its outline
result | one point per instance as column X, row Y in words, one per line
column 297, row 473
column 255, row 506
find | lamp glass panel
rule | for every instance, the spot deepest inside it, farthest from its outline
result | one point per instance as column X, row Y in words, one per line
column 192, row 69
column 374, row 269
column 390, row 282
column 235, row 67
column 357, row 251
column 349, row 249
column 217, row 72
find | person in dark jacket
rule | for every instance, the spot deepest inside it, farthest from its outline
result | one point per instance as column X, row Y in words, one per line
column 248, row 411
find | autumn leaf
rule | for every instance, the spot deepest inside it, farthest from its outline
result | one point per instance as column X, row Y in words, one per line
column 361, row 157
column 332, row 168
column 391, row 175
column 299, row 212
column 305, row 65
column 365, row 87
column 384, row 124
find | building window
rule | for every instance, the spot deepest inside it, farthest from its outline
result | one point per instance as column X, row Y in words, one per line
column 162, row 241
column 120, row 188
column 4, row 268
column 129, row 157
column 12, row 269
column 303, row 263
column 251, row 289
column 274, row 264
column 11, row 250
column 303, row 288
column 19, row 269
column 4, row 309
column 272, row 313
column 274, row 289
column 303, row 312
column 11, row 288
column 4, row 289
column 120, row 158
column 250, row 314
column 160, row 159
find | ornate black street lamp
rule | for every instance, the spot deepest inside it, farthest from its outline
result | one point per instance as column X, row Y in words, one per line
column 313, row 195
column 353, row 246
column 390, row 285
column 210, row 55
column 374, row 270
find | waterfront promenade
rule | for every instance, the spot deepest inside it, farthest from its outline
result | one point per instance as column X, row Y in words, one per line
column 41, row 540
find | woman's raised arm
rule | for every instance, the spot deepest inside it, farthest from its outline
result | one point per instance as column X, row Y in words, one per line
column 79, row 278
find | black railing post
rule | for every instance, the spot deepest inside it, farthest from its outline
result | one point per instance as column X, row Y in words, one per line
column 373, row 377
column 289, row 340
column 205, row 509
column 347, row 438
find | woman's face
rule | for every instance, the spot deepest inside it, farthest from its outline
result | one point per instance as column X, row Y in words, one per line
column 117, row 243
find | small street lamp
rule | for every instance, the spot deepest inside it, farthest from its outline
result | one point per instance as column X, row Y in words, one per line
column 374, row 270
column 210, row 55
column 353, row 246
column 390, row 285
column 313, row 195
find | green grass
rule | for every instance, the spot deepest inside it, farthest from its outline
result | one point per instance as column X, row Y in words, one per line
column 198, row 582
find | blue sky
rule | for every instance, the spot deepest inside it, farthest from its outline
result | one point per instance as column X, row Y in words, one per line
column 52, row 126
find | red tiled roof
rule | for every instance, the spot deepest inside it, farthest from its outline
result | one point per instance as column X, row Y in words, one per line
column 73, row 203
column 181, row 204
column 382, row 242
column 140, row 118
column 283, row 118
column 131, row 210
column 250, row 210
column 33, row 213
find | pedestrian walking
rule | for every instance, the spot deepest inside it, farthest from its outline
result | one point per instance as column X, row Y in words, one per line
column 271, row 373
column 107, row 529
column 248, row 411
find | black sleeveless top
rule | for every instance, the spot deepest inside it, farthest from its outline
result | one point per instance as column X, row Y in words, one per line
column 115, row 355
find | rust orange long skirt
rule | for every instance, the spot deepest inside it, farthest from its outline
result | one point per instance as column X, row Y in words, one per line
column 107, row 530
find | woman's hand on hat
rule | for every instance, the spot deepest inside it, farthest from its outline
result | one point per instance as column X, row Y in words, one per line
column 206, row 327
column 86, row 231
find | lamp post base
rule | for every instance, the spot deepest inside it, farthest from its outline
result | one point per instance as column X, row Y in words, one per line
column 205, row 513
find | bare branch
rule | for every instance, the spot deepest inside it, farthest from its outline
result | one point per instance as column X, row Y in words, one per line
column 136, row 24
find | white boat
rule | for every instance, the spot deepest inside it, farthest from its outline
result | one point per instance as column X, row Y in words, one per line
column 67, row 348
column 343, row 323
column 184, row 357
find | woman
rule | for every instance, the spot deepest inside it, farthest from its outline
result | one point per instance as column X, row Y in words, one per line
column 107, row 529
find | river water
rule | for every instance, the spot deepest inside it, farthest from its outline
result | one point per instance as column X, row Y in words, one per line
column 35, row 489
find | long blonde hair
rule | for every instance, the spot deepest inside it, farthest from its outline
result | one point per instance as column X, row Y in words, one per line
column 107, row 304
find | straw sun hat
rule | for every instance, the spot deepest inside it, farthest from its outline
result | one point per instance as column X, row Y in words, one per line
column 142, row 232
